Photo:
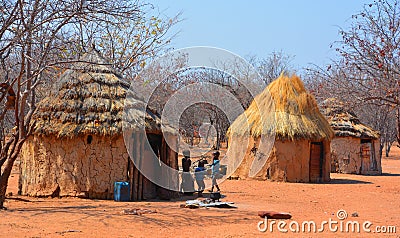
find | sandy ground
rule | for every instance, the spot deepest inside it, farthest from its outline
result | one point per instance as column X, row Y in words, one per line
column 374, row 199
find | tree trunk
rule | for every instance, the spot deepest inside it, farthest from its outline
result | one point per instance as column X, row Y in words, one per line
column 398, row 126
column 4, row 180
column 388, row 145
column 5, row 175
column 218, row 145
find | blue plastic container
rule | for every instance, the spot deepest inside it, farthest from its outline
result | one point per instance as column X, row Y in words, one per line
column 122, row 191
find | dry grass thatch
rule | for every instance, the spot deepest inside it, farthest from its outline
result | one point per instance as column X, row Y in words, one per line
column 90, row 100
column 344, row 122
column 292, row 114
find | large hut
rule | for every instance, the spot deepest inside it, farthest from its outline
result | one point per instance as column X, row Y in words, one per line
column 77, row 147
column 296, row 146
column 355, row 147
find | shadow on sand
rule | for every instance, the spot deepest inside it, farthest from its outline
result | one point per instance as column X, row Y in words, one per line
column 183, row 197
column 346, row 181
column 18, row 199
column 390, row 174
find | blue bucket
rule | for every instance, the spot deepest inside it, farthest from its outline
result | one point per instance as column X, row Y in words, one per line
column 122, row 191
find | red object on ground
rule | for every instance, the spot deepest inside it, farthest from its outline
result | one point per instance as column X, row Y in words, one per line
column 274, row 215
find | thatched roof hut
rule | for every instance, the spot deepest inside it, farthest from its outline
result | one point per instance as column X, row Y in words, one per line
column 77, row 147
column 90, row 100
column 355, row 147
column 300, row 152
column 344, row 121
column 296, row 113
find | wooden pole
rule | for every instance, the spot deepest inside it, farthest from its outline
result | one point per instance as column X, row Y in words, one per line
column 140, row 175
column 131, row 166
column 136, row 172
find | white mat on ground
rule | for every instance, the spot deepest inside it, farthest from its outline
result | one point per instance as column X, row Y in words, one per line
column 210, row 203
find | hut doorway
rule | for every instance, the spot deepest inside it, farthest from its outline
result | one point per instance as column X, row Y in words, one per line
column 141, row 187
column 161, row 149
column 368, row 160
column 155, row 143
column 316, row 161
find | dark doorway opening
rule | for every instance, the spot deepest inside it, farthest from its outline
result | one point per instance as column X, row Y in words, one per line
column 316, row 161
column 155, row 143
column 368, row 159
column 89, row 139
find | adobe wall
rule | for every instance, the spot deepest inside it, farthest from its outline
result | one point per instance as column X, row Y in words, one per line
column 72, row 167
column 345, row 152
column 346, row 156
column 288, row 160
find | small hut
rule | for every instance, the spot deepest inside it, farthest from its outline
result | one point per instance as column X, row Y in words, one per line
column 300, row 150
column 77, row 146
column 355, row 147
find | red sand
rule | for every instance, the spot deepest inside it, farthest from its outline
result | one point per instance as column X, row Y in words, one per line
column 373, row 198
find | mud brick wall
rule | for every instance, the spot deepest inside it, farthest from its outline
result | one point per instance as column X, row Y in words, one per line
column 346, row 156
column 72, row 167
column 345, row 153
column 288, row 161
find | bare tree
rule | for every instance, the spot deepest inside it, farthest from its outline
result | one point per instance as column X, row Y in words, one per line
column 272, row 66
column 38, row 39
column 371, row 47
column 383, row 119
column 335, row 83
column 211, row 86
column 366, row 75
column 129, row 43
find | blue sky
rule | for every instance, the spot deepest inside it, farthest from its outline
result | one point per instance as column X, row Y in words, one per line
column 304, row 28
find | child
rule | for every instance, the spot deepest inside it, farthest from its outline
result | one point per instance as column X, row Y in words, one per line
column 215, row 171
column 199, row 175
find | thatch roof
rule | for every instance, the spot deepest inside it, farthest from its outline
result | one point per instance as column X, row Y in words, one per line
column 345, row 122
column 292, row 114
column 90, row 100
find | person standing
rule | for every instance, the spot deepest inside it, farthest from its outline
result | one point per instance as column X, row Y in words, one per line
column 187, row 186
column 215, row 171
column 186, row 162
column 199, row 173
